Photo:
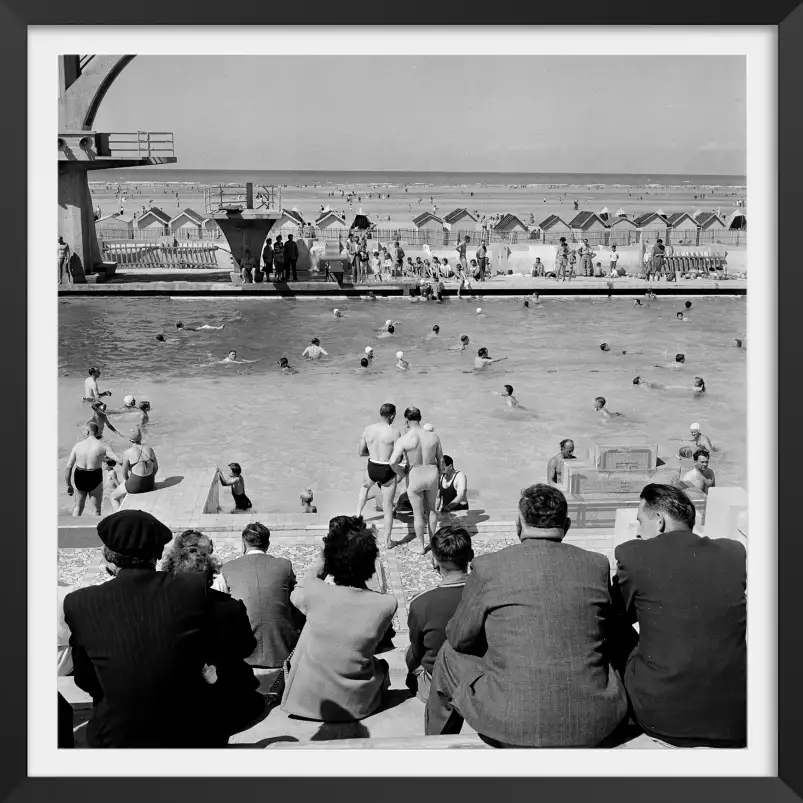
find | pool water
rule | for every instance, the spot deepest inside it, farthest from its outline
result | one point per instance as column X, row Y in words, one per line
column 299, row 431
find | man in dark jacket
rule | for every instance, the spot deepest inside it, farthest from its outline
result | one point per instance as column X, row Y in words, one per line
column 264, row 584
column 291, row 256
column 527, row 657
column 687, row 679
column 278, row 259
column 142, row 644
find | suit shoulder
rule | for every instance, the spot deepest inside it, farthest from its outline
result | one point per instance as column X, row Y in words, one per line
column 629, row 550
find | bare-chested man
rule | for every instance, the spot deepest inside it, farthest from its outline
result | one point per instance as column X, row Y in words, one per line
column 86, row 460
column 376, row 443
column 91, row 391
column 425, row 460
column 554, row 469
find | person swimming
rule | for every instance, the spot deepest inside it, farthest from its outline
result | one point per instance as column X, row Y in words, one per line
column 314, row 350
column 100, row 418
column 480, row 313
column 737, row 343
column 678, row 362
column 306, row 501
column 507, row 395
column 599, row 406
column 688, row 305
column 699, row 385
column 237, row 484
column 637, row 302
column 681, row 317
column 369, row 353
column 205, row 327
column 232, row 358
column 526, row 304
column 434, row 333
column 483, row 359
column 285, row 366
column 338, row 314
column 389, row 333
column 463, row 343
column 364, row 367
column 401, row 363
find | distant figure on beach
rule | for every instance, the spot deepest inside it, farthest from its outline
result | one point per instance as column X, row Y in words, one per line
column 314, row 350
column 306, row 501
column 290, row 258
column 84, row 474
column 700, row 476
column 507, row 395
column 278, row 260
column 483, row 359
column 91, row 391
column 205, row 327
column 554, row 469
column 461, row 253
column 658, row 254
column 267, row 258
column 482, row 259
column 462, row 345
column 285, row 367
column 64, row 262
column 232, row 358
column 613, row 261
column 538, row 268
column 237, row 484
column 599, row 406
column 586, row 256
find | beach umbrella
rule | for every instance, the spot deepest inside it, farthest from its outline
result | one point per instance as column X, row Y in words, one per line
column 620, row 212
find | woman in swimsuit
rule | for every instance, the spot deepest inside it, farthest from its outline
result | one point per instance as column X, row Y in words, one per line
column 237, row 483
column 139, row 469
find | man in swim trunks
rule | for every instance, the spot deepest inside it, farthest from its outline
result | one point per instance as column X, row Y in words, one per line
column 85, row 471
column 554, row 469
column 237, row 484
column 314, row 350
column 376, row 443
column 425, row 459
column 139, row 469
column 91, row 392
column 452, row 488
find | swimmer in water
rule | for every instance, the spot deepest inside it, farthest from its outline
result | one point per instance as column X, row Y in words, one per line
column 371, row 297
column 429, row 427
column 605, row 347
column 648, row 385
column 554, row 469
column 129, row 406
column 701, row 476
column 483, row 359
column 144, row 408
column 696, row 441
column 285, row 366
column 338, row 314
column 699, row 385
column 306, row 501
column 480, row 313
column 681, row 317
column 237, row 484
column 389, row 333
column 462, row 346
column 678, row 362
column 434, row 333
column 599, row 406
column 401, row 363
column 369, row 353
column 688, row 305
column 364, row 367
column 202, row 328
column 737, row 343
column 507, row 395
column 637, row 303
column 314, row 350
column 232, row 357
column 100, row 419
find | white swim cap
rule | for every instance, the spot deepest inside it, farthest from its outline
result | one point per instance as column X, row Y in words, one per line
column 336, row 311
column 388, row 322
column 479, row 310
column 429, row 427
column 128, row 400
column 368, row 350
column 399, row 355
column 694, row 428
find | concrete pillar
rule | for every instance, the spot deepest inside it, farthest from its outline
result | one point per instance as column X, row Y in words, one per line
column 242, row 234
column 77, row 220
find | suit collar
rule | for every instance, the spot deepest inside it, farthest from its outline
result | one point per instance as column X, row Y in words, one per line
column 543, row 534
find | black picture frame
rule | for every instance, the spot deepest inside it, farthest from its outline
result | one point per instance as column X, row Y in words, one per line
column 15, row 16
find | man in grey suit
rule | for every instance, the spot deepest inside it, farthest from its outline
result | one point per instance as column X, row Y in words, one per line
column 526, row 661
column 264, row 584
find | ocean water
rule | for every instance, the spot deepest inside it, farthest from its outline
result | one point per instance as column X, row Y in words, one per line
column 294, row 432
column 295, row 178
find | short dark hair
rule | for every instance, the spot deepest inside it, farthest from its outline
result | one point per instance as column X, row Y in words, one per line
column 660, row 241
column 364, row 362
column 452, row 544
column 126, row 561
column 350, row 551
column 680, row 357
column 111, row 463
column 412, row 414
column 315, row 341
column 448, row 460
column 543, row 506
column 257, row 535
column 464, row 338
column 601, row 400
column 387, row 410
column 509, row 389
column 565, row 441
column 669, row 500
column 701, row 453
column 391, row 328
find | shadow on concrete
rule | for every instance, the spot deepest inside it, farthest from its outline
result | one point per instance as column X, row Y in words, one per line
column 264, row 742
column 168, row 483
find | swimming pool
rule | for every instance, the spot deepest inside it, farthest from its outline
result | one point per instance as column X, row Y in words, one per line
column 294, row 432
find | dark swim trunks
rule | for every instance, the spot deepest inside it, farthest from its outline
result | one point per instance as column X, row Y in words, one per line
column 380, row 472
column 241, row 501
column 86, row 480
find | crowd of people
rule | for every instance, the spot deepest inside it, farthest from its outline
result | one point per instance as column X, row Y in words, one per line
column 532, row 645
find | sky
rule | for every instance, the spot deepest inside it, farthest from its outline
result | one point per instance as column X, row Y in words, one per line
column 611, row 114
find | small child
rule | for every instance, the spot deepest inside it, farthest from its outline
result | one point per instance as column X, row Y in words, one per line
column 507, row 395
column 599, row 406
column 306, row 501
column 110, row 480
column 237, row 483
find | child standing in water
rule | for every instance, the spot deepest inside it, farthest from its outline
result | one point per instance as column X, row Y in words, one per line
column 306, row 501
column 237, row 483
column 110, row 479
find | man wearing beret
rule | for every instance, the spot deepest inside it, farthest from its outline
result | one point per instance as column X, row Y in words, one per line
column 143, row 645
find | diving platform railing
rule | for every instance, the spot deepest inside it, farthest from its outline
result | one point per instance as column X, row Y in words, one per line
column 242, row 196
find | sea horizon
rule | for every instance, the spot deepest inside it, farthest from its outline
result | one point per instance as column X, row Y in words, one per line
column 170, row 174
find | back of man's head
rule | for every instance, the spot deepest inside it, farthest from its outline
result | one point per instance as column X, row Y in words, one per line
column 543, row 507
column 451, row 545
column 671, row 503
column 92, row 430
column 387, row 411
column 256, row 536
column 412, row 414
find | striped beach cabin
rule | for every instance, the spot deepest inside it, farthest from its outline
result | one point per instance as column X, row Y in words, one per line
column 187, row 224
column 683, row 228
column 653, row 226
column 154, row 220
column 115, row 226
column 426, row 221
column 553, row 228
column 329, row 220
column 710, row 221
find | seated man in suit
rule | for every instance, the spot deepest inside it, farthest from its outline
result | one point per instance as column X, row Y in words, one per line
column 143, row 644
column 526, row 658
column 264, row 584
column 686, row 680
